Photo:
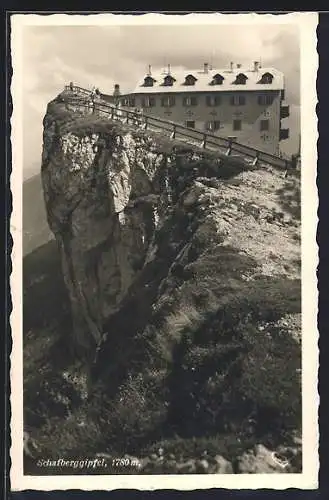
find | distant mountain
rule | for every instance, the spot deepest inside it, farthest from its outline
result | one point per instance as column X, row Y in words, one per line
column 36, row 231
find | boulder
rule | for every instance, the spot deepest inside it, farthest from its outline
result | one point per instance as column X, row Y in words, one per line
column 261, row 460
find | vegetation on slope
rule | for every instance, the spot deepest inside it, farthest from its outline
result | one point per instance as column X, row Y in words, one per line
column 201, row 355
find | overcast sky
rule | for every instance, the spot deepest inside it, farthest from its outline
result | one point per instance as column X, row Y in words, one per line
column 104, row 55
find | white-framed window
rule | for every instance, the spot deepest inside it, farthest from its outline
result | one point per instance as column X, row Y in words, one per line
column 168, row 81
column 148, row 102
column 148, row 81
column 267, row 78
column 190, row 101
column 264, row 125
column 190, row 124
column 190, row 80
column 237, row 125
column 217, row 80
column 265, row 99
column 238, row 100
column 213, row 126
column 241, row 79
column 168, row 101
column 213, row 100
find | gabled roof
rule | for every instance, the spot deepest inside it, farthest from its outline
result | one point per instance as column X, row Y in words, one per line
column 204, row 81
column 191, row 76
column 218, row 76
column 266, row 76
column 148, row 78
column 166, row 79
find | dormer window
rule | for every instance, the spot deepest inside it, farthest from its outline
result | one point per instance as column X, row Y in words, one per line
column 168, row 81
column 190, row 80
column 217, row 79
column 149, row 81
column 266, row 78
column 241, row 79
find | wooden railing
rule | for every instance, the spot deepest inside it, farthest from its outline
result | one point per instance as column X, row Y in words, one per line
column 82, row 100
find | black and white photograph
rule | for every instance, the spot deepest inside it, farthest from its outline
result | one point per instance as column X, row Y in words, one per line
column 164, row 261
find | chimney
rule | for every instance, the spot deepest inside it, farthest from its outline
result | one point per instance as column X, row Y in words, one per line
column 238, row 66
column 256, row 66
column 168, row 69
column 116, row 90
column 231, row 66
column 205, row 67
column 149, row 71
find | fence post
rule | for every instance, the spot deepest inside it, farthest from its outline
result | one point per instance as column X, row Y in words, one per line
column 229, row 149
column 255, row 160
column 145, row 122
column 204, row 142
column 173, row 133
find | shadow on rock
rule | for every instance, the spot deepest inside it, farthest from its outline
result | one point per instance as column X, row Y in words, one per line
column 45, row 297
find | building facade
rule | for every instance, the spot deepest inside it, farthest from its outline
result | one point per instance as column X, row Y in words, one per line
column 246, row 105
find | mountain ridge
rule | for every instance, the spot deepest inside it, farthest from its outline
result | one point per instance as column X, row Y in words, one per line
column 182, row 278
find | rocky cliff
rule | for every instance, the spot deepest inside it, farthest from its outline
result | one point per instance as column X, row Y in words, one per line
column 183, row 275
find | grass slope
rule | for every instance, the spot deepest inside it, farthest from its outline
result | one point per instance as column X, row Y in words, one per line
column 200, row 356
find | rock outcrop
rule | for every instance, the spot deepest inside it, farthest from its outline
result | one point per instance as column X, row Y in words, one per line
column 183, row 273
column 103, row 194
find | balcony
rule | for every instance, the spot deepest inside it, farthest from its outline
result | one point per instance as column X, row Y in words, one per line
column 284, row 134
column 284, row 112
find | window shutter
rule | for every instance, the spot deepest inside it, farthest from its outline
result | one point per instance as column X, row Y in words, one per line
column 194, row 101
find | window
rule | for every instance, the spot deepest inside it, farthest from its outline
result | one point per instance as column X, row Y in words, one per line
column 190, row 124
column 168, row 101
column 148, row 81
column 148, row 102
column 282, row 95
column 190, row 80
column 237, row 125
column 266, row 78
column 264, row 125
column 131, row 102
column 217, row 80
column 213, row 100
column 265, row 99
column 241, row 79
column 168, row 81
column 190, row 101
column 212, row 126
column 284, row 134
column 238, row 100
